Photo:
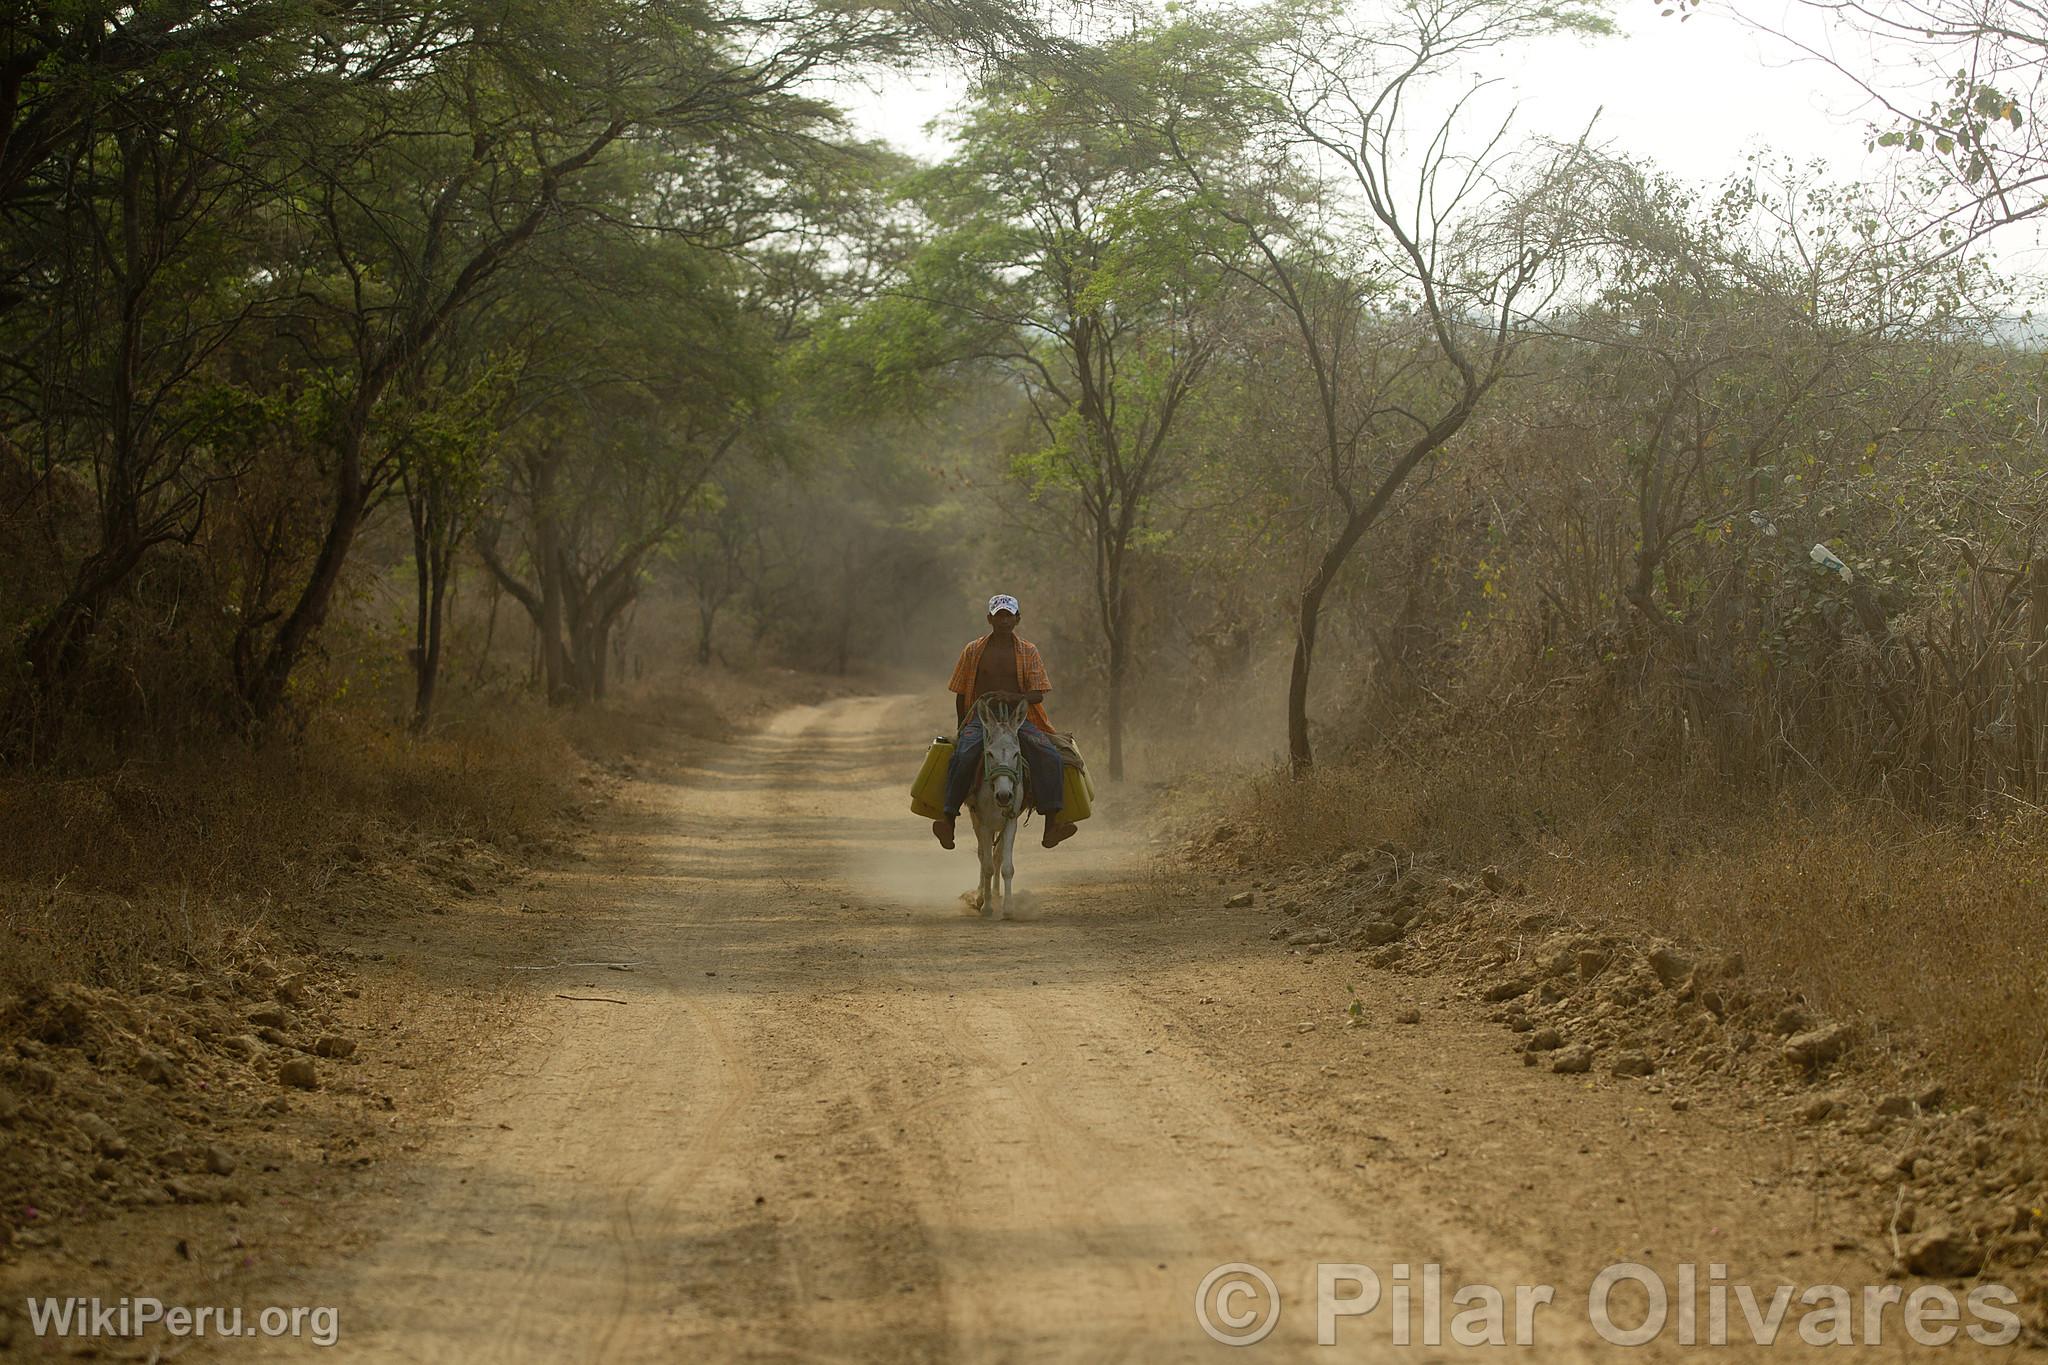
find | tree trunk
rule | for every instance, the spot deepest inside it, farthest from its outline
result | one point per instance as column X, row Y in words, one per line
column 1361, row 518
column 547, row 565
column 422, row 593
column 56, row 647
column 263, row 692
column 483, row 655
column 1116, row 723
column 600, row 658
column 1308, row 618
column 554, row 602
column 584, row 661
column 547, row 664
column 427, row 666
column 1119, row 658
column 604, row 609
column 1109, row 592
column 576, row 663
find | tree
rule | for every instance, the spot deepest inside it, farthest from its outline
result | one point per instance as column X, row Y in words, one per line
column 1406, row 269
column 1729, row 338
column 132, row 157
column 74, row 75
column 713, row 558
column 1963, row 85
column 1062, row 260
column 689, row 334
column 643, row 376
column 445, row 461
column 420, row 190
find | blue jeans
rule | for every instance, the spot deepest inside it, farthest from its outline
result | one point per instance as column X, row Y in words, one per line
column 1048, row 782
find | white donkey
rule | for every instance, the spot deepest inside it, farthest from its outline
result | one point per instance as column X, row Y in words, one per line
column 999, row 797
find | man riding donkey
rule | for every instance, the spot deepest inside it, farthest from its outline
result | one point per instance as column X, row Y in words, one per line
column 1003, row 661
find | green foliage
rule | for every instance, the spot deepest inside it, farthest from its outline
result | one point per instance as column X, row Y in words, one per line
column 304, row 255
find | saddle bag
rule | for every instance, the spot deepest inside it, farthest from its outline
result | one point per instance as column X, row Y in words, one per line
column 1077, row 795
column 928, row 793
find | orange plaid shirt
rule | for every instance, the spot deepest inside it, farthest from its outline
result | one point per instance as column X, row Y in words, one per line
column 1031, row 675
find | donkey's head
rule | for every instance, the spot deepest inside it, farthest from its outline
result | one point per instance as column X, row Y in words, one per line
column 1004, row 754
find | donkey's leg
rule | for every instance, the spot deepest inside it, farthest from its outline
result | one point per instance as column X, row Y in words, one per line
column 1009, row 864
column 986, row 832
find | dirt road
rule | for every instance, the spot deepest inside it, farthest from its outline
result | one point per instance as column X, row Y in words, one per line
column 830, row 1115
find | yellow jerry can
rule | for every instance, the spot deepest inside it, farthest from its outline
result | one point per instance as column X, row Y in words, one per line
column 928, row 793
column 1078, row 794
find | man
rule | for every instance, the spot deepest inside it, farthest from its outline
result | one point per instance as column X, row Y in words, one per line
column 1003, row 661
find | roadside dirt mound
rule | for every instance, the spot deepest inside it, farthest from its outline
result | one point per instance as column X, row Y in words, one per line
column 173, row 1092
column 1951, row 1192
column 121, row 1100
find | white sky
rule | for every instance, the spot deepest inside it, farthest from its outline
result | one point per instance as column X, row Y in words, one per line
column 1695, row 97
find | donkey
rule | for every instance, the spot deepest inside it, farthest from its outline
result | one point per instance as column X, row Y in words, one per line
column 1000, row 796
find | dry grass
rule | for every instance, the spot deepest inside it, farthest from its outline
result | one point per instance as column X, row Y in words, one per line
column 191, row 859
column 176, row 860
column 1871, row 914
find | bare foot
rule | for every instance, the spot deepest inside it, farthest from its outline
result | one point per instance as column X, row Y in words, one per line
column 1056, row 831
column 944, row 830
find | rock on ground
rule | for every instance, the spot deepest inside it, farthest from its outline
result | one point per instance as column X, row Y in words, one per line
column 1817, row 1047
column 1572, row 1061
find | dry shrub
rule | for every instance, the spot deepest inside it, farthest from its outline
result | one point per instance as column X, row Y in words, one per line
column 173, row 859
column 1870, row 913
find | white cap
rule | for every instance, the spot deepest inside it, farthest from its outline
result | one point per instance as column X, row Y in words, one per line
column 1002, row 601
